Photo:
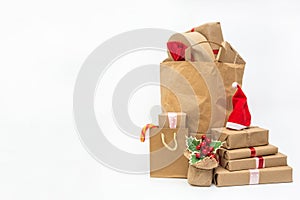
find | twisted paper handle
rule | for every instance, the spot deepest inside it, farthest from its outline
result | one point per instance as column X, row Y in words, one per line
column 144, row 130
column 166, row 145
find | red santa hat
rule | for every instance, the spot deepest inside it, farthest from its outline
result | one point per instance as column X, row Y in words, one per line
column 240, row 116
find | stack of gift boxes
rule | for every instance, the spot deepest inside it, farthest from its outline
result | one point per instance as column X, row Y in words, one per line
column 248, row 158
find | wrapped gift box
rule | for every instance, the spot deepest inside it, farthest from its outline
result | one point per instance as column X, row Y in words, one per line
column 172, row 120
column 253, row 136
column 247, row 152
column 255, row 162
column 223, row 177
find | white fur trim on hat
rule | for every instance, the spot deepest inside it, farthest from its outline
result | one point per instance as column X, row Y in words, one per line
column 234, row 84
column 235, row 126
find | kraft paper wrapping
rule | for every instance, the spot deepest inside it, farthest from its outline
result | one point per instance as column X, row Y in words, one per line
column 253, row 136
column 165, row 160
column 227, row 54
column 201, row 173
column 213, row 32
column 206, row 164
column 223, row 177
column 246, row 152
column 203, row 52
column 163, row 120
column 202, row 90
column 200, row 177
column 254, row 163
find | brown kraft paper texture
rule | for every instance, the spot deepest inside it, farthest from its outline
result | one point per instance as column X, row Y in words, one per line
column 166, row 153
column 254, row 163
column 223, row 177
column 246, row 152
column 202, row 90
column 253, row 136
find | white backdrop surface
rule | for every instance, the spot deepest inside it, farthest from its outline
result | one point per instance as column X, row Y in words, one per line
column 43, row 45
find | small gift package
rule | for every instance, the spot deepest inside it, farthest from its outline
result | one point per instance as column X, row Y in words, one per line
column 202, row 174
column 247, row 152
column 255, row 162
column 202, row 160
column 249, row 137
column 224, row 177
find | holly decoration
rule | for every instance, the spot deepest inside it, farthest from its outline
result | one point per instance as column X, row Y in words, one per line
column 202, row 148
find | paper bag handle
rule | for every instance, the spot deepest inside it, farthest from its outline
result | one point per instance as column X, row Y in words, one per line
column 204, row 55
column 166, row 145
column 211, row 42
column 207, row 41
column 144, row 130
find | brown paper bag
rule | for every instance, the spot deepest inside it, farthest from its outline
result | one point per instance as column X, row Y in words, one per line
column 166, row 152
column 200, row 86
column 200, row 89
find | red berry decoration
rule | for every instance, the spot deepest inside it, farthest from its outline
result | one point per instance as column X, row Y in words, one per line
column 201, row 149
column 205, row 152
column 211, row 149
column 208, row 140
column 213, row 156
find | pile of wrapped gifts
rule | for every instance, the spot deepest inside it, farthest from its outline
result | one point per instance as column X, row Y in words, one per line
column 246, row 157
column 205, row 132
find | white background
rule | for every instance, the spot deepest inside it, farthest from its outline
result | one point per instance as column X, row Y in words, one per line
column 42, row 47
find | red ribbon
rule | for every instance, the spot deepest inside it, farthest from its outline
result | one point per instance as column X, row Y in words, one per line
column 253, row 152
column 215, row 51
column 177, row 50
column 260, row 162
